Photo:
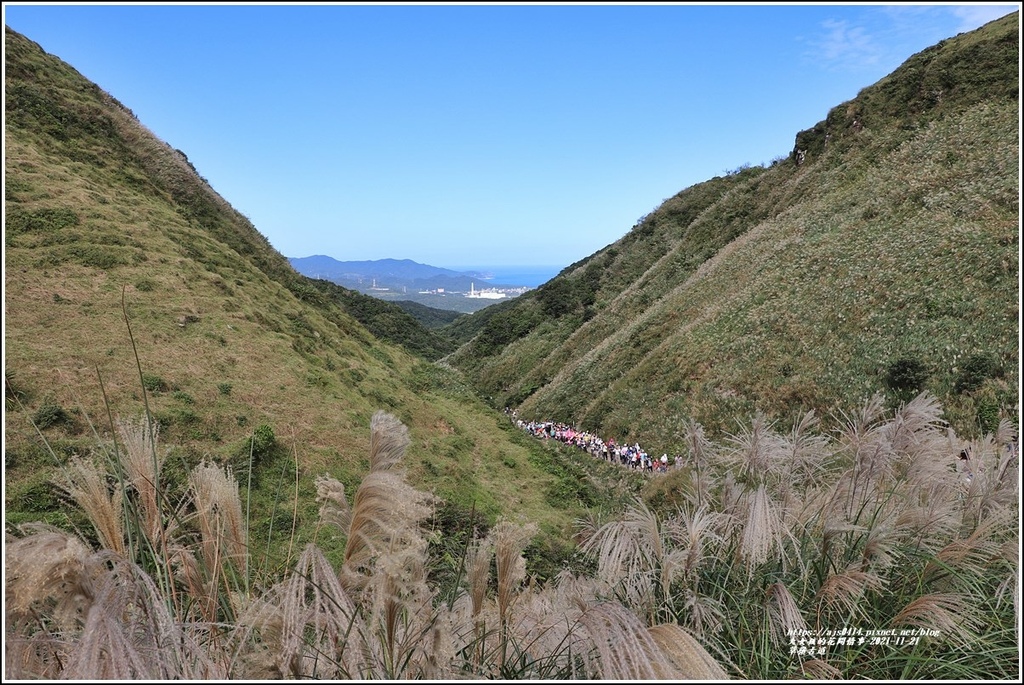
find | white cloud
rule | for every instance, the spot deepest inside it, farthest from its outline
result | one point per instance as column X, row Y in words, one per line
column 976, row 16
column 886, row 37
column 847, row 46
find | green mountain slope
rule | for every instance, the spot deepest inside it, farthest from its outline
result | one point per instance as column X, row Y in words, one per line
column 881, row 256
column 131, row 285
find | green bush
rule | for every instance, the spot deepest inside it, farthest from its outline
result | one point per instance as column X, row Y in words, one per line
column 263, row 441
column 906, row 375
column 975, row 370
column 154, row 383
column 50, row 414
column 184, row 397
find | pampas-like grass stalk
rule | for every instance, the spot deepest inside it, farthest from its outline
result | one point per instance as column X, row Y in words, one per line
column 702, row 614
column 702, row 453
column 802, row 451
column 386, row 511
column 757, row 451
column 699, row 526
column 219, row 513
column 478, row 571
column 626, row 649
column 950, row 613
column 632, row 558
column 974, row 554
column 509, row 540
column 385, row 553
column 916, row 426
column 49, row 573
column 616, row 549
column 131, row 634
column 334, row 507
column 844, row 591
column 816, row 669
column 994, row 479
column 303, row 627
column 689, row 658
column 142, row 462
column 762, row 530
column 784, row 614
column 87, row 486
column 629, row 650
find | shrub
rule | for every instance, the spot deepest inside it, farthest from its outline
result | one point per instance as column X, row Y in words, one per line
column 50, row 414
column 975, row 370
column 153, row 383
column 263, row 441
column 906, row 375
column 184, row 397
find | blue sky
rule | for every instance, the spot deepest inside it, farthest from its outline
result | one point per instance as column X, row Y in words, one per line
column 487, row 134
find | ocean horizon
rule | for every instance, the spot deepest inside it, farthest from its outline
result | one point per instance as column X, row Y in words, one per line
column 529, row 275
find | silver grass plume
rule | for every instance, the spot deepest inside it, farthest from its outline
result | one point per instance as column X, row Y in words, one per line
column 478, row 571
column 975, row 553
column 86, row 484
column 844, row 591
column 699, row 528
column 756, row 451
column 702, row 614
column 143, row 462
column 130, row 633
column 689, row 658
column 629, row 650
column 334, row 507
column 48, row 572
column 952, row 614
column 386, row 511
column 626, row 556
column 784, row 614
column 385, row 555
column 915, row 424
column 306, row 626
column 510, row 540
column 762, row 530
column 219, row 513
column 803, row 451
column 816, row 669
column 702, row 454
column 994, row 478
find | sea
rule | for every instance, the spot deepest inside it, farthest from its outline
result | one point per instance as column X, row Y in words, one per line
column 528, row 275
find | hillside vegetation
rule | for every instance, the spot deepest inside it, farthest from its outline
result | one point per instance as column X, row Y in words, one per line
column 881, row 255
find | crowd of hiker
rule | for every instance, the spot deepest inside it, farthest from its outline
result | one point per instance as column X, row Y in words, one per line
column 629, row 455
column 636, row 457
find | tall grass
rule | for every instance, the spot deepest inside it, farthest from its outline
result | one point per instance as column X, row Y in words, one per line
column 163, row 589
column 791, row 537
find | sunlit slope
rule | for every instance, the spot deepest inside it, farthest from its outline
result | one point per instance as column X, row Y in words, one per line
column 880, row 256
column 125, row 271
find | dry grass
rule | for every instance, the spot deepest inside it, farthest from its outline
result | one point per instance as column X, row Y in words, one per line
column 705, row 591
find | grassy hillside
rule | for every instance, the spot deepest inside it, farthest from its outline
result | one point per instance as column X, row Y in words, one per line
column 881, row 256
column 132, row 286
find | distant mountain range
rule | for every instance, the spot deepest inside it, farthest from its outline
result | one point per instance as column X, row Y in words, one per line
column 404, row 279
column 403, row 270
